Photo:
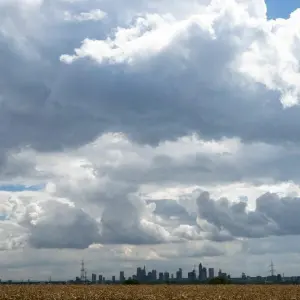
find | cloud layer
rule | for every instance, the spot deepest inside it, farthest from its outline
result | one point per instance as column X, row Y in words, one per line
column 154, row 131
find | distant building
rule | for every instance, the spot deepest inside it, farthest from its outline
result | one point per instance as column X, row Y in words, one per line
column 221, row 274
column 192, row 275
column 200, row 272
column 211, row 273
column 166, row 276
column 100, row 279
column 154, row 276
column 141, row 274
column 279, row 277
column 122, row 276
column 179, row 274
column 94, row 278
column 148, row 276
column 161, row 276
column 113, row 279
column 204, row 274
column 138, row 273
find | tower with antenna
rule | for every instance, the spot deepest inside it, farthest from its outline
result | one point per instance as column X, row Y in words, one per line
column 82, row 271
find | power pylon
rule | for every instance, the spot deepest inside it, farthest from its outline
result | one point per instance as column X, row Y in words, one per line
column 82, row 271
column 272, row 269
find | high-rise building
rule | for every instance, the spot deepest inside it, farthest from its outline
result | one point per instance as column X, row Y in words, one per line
column 166, row 276
column 161, row 276
column 192, row 275
column 113, row 279
column 122, row 276
column 200, row 271
column 179, row 274
column 138, row 273
column 141, row 274
column 204, row 274
column 154, row 276
column 211, row 273
column 220, row 273
column 94, row 278
column 100, row 279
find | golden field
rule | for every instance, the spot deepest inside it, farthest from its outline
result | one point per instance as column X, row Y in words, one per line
column 144, row 292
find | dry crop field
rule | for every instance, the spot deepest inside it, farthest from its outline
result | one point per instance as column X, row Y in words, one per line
column 144, row 292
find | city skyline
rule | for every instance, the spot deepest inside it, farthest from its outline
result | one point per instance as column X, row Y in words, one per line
column 88, row 271
column 198, row 274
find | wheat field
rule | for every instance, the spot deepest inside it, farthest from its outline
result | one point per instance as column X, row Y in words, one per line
column 144, row 292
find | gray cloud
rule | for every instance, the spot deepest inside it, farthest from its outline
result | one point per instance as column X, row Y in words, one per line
column 273, row 216
column 172, row 210
column 64, row 227
column 155, row 72
column 164, row 97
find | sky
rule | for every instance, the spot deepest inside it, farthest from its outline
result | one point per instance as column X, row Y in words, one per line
column 281, row 8
column 149, row 133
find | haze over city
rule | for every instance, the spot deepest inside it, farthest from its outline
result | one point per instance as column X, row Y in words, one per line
column 154, row 132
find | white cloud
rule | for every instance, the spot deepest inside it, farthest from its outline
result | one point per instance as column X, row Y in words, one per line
column 160, row 102
column 93, row 15
column 266, row 50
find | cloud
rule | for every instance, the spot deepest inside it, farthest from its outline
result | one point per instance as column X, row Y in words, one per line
column 273, row 216
column 198, row 68
column 125, row 114
column 118, row 207
column 62, row 226
column 93, row 15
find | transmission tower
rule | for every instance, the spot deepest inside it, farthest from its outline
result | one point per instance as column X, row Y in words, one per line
column 272, row 270
column 82, row 271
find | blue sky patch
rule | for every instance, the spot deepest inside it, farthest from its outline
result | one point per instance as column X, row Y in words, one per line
column 281, row 8
column 3, row 217
column 20, row 188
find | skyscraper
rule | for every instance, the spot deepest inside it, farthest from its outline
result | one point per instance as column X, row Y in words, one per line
column 161, row 276
column 94, row 278
column 100, row 279
column 204, row 274
column 166, row 276
column 139, row 275
column 154, row 276
column 179, row 274
column 122, row 276
column 200, row 271
column 211, row 273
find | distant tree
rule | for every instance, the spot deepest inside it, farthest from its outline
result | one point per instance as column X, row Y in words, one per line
column 219, row 280
column 131, row 281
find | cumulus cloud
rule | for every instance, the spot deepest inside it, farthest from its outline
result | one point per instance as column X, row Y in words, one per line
column 126, row 115
column 273, row 216
column 62, row 226
column 154, row 68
